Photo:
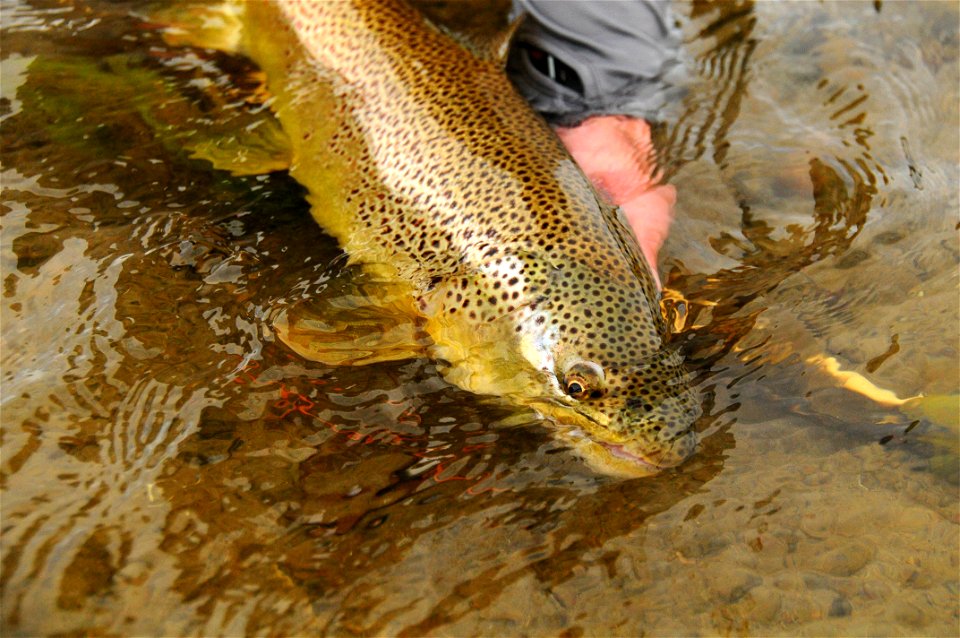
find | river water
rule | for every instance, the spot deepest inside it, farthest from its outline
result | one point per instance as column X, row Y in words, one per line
column 168, row 468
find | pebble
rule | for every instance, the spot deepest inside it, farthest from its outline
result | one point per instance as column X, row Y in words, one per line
column 914, row 519
column 907, row 613
column 789, row 581
column 856, row 518
column 836, row 627
column 845, row 560
column 704, row 544
column 732, row 585
column 923, row 578
column 818, row 479
column 762, row 604
column 804, row 607
column 840, row 607
column 819, row 523
column 874, row 584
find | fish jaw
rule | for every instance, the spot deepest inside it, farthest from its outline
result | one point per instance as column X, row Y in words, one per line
column 611, row 460
column 630, row 458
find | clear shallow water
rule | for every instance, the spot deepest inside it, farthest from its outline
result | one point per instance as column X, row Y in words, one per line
column 169, row 469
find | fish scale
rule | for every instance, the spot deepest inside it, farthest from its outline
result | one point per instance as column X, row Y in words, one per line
column 438, row 180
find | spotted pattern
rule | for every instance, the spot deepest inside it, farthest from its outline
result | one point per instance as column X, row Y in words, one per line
column 424, row 162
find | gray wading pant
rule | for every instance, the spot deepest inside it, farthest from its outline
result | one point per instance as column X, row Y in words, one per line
column 575, row 58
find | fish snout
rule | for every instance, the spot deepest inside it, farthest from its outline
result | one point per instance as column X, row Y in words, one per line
column 659, row 433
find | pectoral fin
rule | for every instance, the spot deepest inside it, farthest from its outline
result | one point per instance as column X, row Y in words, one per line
column 354, row 325
column 260, row 148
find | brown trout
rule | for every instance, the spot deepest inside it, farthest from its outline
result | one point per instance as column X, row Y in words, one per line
column 461, row 206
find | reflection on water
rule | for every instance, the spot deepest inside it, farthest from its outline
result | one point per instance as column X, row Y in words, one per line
column 168, row 468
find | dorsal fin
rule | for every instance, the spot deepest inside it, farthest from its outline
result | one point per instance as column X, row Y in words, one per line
column 493, row 47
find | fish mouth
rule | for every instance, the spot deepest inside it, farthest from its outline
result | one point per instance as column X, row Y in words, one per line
column 621, row 452
column 613, row 459
column 586, row 436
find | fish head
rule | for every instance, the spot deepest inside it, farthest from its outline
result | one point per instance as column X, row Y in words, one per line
column 619, row 391
column 632, row 420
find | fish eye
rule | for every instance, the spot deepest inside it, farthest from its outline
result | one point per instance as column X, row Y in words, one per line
column 576, row 389
column 583, row 379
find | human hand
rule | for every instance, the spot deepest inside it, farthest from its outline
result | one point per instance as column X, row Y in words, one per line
column 616, row 154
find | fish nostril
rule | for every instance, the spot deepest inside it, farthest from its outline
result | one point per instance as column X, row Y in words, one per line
column 639, row 403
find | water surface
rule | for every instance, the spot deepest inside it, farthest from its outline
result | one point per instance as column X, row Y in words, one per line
column 169, row 468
